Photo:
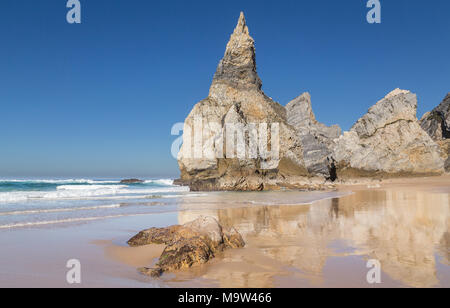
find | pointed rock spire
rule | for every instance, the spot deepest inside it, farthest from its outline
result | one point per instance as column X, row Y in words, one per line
column 300, row 111
column 241, row 26
column 237, row 69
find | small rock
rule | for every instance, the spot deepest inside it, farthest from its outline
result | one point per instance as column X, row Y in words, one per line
column 152, row 272
column 193, row 243
column 131, row 181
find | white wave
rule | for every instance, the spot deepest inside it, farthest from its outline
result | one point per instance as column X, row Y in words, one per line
column 61, row 181
column 166, row 182
column 59, row 210
column 90, row 187
column 86, row 193
column 53, row 222
column 48, row 181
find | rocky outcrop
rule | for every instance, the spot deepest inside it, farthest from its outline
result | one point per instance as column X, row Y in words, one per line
column 211, row 158
column 437, row 124
column 193, row 243
column 388, row 141
column 445, row 147
column 316, row 138
column 131, row 181
column 240, row 139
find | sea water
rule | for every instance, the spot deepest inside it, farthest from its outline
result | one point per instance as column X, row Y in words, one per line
column 48, row 202
column 39, row 202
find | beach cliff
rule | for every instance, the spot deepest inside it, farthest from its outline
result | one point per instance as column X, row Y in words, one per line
column 437, row 124
column 239, row 139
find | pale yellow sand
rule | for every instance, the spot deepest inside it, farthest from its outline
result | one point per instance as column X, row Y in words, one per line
column 403, row 223
column 134, row 256
column 430, row 184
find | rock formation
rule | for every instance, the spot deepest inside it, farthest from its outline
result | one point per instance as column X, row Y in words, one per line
column 193, row 243
column 388, row 140
column 240, row 139
column 206, row 158
column 437, row 124
column 317, row 139
column 131, row 181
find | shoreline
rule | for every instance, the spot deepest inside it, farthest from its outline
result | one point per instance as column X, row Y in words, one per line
column 423, row 181
column 250, row 262
column 308, row 244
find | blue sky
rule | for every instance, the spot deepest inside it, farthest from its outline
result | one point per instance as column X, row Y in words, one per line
column 100, row 98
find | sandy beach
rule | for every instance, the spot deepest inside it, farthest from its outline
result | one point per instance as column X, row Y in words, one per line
column 403, row 223
column 174, row 145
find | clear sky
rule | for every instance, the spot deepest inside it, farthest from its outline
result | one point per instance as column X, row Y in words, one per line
column 100, row 98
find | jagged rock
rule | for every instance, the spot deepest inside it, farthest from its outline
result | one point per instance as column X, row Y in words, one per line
column 131, row 181
column 437, row 124
column 388, row 140
column 301, row 116
column 235, row 97
column 445, row 147
column 193, row 243
column 317, row 139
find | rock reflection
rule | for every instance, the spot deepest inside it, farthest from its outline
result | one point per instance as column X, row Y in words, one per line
column 407, row 231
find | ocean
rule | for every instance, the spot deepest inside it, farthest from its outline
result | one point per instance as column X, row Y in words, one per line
column 38, row 202
column 49, row 202
column 293, row 238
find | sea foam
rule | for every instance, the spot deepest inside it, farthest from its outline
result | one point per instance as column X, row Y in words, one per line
column 82, row 189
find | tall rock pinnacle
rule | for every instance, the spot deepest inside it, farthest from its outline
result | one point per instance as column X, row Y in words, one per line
column 237, row 69
column 236, row 100
column 227, row 150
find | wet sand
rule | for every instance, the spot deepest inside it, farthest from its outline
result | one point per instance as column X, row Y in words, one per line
column 328, row 244
column 134, row 256
column 402, row 223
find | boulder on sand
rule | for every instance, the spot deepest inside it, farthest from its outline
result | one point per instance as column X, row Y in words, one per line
column 193, row 243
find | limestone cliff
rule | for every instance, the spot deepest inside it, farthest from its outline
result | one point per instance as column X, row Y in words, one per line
column 388, row 140
column 240, row 139
column 209, row 160
column 437, row 124
column 317, row 139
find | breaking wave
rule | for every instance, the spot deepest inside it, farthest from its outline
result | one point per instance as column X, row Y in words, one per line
column 13, row 191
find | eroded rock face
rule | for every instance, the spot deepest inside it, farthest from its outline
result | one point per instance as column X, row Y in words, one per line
column 193, row 243
column 299, row 151
column 388, row 140
column 437, row 124
column 317, row 139
column 206, row 160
